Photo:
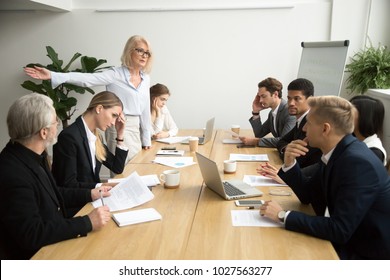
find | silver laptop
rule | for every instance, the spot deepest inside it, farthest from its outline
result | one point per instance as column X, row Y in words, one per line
column 229, row 190
column 208, row 134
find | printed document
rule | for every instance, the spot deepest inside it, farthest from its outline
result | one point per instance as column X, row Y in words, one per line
column 128, row 193
column 246, row 157
column 175, row 162
column 251, row 218
column 260, row 181
column 150, row 180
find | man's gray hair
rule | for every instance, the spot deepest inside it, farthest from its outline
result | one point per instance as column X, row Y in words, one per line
column 28, row 115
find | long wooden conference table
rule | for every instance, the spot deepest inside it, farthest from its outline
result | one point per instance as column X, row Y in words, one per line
column 196, row 222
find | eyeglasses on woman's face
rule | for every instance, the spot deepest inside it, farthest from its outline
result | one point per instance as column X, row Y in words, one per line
column 142, row 52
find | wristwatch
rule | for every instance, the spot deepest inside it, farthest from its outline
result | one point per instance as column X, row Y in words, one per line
column 282, row 215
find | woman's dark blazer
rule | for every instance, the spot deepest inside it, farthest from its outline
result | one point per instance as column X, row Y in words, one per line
column 72, row 162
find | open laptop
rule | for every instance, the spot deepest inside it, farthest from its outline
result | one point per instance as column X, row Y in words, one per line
column 208, row 134
column 229, row 190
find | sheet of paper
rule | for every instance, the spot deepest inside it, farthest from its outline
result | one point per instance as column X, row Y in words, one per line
column 251, row 218
column 247, row 157
column 259, row 181
column 175, row 162
column 172, row 140
column 149, row 180
column 231, row 141
column 136, row 216
column 128, row 193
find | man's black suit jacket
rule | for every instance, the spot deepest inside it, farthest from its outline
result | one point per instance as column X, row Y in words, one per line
column 355, row 188
column 312, row 156
column 33, row 209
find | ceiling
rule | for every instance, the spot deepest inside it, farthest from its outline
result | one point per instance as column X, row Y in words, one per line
column 28, row 5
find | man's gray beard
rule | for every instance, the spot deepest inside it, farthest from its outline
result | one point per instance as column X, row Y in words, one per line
column 51, row 142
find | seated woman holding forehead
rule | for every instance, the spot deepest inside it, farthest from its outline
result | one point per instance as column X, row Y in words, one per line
column 80, row 152
column 163, row 124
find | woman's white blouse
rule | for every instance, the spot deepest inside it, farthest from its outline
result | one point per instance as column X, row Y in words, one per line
column 164, row 122
column 136, row 101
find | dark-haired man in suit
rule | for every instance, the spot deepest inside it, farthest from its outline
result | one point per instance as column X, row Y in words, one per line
column 299, row 90
column 278, row 123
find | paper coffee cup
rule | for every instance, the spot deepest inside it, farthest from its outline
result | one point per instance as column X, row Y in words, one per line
column 171, row 179
column 236, row 129
column 229, row 166
column 194, row 142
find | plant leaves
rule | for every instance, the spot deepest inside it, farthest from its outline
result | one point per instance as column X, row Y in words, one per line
column 75, row 56
column 89, row 64
column 57, row 63
column 369, row 68
column 63, row 103
column 29, row 85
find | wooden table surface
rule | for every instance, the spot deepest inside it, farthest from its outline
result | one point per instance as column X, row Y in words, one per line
column 196, row 222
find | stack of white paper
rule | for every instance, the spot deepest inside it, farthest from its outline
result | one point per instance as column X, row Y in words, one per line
column 136, row 217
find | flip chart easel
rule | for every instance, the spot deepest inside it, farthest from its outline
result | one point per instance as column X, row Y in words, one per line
column 323, row 64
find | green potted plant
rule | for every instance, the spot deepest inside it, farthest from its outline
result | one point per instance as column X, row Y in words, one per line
column 63, row 102
column 369, row 68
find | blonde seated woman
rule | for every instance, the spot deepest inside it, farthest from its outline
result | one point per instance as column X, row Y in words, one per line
column 80, row 151
column 163, row 125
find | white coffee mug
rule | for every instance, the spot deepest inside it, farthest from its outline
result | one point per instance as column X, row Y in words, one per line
column 171, row 178
column 194, row 142
column 236, row 129
column 229, row 166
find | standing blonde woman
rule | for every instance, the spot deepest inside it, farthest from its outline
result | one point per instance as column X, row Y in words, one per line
column 163, row 124
column 130, row 82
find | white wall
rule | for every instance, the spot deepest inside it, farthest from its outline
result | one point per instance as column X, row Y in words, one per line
column 210, row 60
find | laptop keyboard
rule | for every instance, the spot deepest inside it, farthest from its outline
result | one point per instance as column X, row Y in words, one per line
column 231, row 190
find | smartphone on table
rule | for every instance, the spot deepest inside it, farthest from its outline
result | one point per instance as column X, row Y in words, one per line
column 249, row 203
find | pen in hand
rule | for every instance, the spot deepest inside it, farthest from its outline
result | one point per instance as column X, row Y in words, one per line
column 101, row 197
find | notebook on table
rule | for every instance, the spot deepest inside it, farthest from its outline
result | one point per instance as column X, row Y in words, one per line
column 208, row 134
column 230, row 189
